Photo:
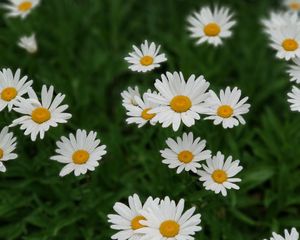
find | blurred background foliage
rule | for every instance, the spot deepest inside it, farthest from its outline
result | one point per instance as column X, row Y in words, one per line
column 82, row 44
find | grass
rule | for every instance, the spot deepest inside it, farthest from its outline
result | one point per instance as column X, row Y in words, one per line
column 82, row 44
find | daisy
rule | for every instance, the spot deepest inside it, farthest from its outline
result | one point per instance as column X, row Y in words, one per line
column 145, row 59
column 127, row 220
column 279, row 19
column 211, row 26
column 185, row 153
column 294, row 71
column 286, row 41
column 228, row 108
column 178, row 100
column 294, row 235
column 12, row 88
column 28, row 43
column 129, row 95
column 294, row 99
column 80, row 153
column 139, row 114
column 20, row 7
column 218, row 176
column 293, row 5
column 7, row 146
column 169, row 221
column 40, row 116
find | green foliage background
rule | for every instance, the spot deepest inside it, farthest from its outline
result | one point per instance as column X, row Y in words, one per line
column 82, row 44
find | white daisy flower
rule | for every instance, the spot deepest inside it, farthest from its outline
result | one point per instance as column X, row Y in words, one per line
column 40, row 116
column 129, row 95
column 294, row 71
column 80, row 153
column 178, row 100
column 294, row 235
column 294, row 99
column 20, row 7
column 218, row 176
column 139, row 114
column 211, row 26
column 286, row 41
column 127, row 220
column 145, row 59
column 293, row 5
column 28, row 43
column 12, row 88
column 228, row 108
column 185, row 153
column 279, row 19
column 168, row 221
column 7, row 146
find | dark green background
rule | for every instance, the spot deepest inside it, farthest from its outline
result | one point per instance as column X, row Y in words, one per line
column 81, row 49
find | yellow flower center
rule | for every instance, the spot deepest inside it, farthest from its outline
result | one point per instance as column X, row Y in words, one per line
column 80, row 157
column 1, row 153
column 185, row 156
column 135, row 222
column 225, row 111
column 146, row 60
column 290, row 45
column 180, row 103
column 8, row 94
column 212, row 29
column 295, row 6
column 25, row 6
column 40, row 115
column 219, row 176
column 147, row 116
column 169, row 228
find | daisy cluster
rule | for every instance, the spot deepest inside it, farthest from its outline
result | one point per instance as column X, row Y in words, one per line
column 154, row 219
column 177, row 101
column 162, row 219
column 187, row 153
column 174, row 101
column 80, row 152
column 283, row 30
column 22, row 8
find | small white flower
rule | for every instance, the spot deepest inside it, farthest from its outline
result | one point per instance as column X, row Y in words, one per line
column 278, row 20
column 218, row 176
column 294, row 235
column 228, row 108
column 293, row 5
column 169, row 221
column 139, row 114
column 185, row 153
column 80, row 153
column 28, row 43
column 294, row 99
column 286, row 41
column 20, row 7
column 127, row 220
column 145, row 59
column 294, row 71
column 38, row 116
column 211, row 26
column 12, row 88
column 7, row 146
column 129, row 95
column 179, row 100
